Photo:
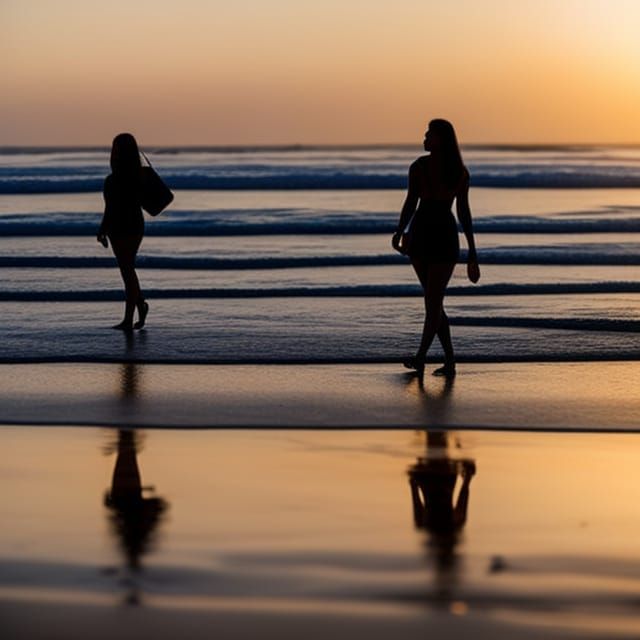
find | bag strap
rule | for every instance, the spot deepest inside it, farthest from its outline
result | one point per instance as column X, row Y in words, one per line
column 144, row 155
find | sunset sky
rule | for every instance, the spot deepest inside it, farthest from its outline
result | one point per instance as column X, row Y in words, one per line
column 330, row 72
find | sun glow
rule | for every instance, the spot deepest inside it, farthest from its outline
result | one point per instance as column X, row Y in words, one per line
column 275, row 71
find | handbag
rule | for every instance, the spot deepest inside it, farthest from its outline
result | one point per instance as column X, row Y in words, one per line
column 155, row 196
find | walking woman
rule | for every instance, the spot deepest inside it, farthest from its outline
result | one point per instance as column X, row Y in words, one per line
column 123, row 223
column 435, row 180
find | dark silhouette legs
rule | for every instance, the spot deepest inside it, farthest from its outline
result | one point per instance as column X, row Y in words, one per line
column 444, row 335
column 125, row 249
column 434, row 279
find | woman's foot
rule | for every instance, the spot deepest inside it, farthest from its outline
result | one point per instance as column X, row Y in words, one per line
column 123, row 326
column 415, row 362
column 142, row 316
column 447, row 371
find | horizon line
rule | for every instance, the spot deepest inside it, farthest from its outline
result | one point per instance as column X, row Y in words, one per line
column 507, row 146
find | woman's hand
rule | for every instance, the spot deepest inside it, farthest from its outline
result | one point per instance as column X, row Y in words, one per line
column 102, row 239
column 473, row 269
column 395, row 241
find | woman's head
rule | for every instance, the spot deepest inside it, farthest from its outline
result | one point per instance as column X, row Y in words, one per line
column 125, row 157
column 440, row 139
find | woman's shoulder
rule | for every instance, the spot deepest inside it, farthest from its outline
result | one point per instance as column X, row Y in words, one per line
column 419, row 164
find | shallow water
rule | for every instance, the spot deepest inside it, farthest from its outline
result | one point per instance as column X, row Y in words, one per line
column 308, row 275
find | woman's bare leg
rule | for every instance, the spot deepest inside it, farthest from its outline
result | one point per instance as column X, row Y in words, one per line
column 444, row 335
column 125, row 248
column 434, row 279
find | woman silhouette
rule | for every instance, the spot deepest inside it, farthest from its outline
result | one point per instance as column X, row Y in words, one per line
column 435, row 180
column 123, row 224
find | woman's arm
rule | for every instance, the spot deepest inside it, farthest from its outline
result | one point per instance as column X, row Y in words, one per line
column 101, row 237
column 462, row 503
column 464, row 216
column 409, row 206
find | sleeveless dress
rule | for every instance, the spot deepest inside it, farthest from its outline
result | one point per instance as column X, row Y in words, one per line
column 434, row 232
column 122, row 211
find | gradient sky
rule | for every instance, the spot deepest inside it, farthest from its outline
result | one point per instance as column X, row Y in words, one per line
column 304, row 71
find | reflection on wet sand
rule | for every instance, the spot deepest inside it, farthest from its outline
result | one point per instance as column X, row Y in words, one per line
column 134, row 516
column 130, row 371
column 277, row 527
column 439, row 482
column 438, row 509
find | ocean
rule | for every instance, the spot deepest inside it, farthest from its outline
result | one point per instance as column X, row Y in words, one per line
column 279, row 493
column 282, row 254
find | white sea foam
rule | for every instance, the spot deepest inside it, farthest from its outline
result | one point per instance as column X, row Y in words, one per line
column 288, row 276
column 54, row 171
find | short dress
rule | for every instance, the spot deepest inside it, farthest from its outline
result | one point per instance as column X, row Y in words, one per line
column 434, row 233
column 122, row 211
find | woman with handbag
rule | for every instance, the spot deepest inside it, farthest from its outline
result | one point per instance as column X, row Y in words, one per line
column 123, row 223
column 428, row 234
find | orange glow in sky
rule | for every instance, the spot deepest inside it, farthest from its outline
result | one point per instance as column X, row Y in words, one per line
column 339, row 71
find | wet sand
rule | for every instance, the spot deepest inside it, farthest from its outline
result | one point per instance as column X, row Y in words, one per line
column 357, row 517
column 386, row 533
column 597, row 396
column 49, row 622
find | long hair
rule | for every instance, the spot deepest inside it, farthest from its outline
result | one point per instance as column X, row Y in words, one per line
column 451, row 158
column 125, row 157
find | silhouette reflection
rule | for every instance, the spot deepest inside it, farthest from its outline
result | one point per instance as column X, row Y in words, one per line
column 434, row 398
column 129, row 381
column 439, row 482
column 134, row 515
column 134, row 343
column 440, row 498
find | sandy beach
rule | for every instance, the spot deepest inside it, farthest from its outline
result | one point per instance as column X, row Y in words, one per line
column 307, row 516
column 316, row 533
column 51, row 622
